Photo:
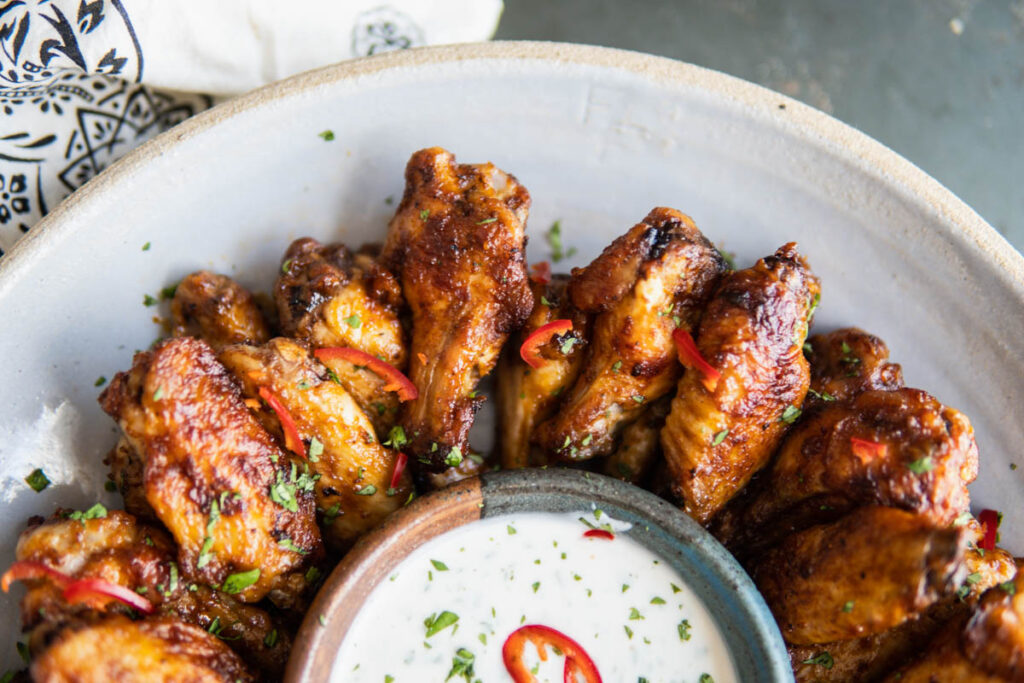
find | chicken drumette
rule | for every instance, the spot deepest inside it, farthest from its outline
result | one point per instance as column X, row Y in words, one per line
column 218, row 310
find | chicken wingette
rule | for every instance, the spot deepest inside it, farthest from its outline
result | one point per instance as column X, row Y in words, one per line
column 899, row 448
column 848, row 362
column 353, row 470
column 457, row 245
column 213, row 475
column 830, row 582
column 648, row 282
column 218, row 310
column 727, row 419
column 526, row 396
column 328, row 296
column 640, row 447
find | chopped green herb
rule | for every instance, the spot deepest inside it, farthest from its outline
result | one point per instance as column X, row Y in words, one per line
column 554, row 239
column 288, row 544
column 706, row 678
column 511, row 530
column 812, row 306
column 790, row 414
column 1009, row 587
column 544, row 301
column 316, row 448
column 454, row 457
column 424, row 214
column 823, row 659
column 168, row 292
column 616, row 366
column 388, row 678
column 312, row 574
column 327, row 135
column 205, row 553
column 848, row 607
column 536, row 586
column 97, row 511
column 629, row 631
column 322, row 619
column 271, row 639
column 436, row 623
column 439, row 565
column 684, row 629
column 158, row 394
column 657, row 601
column 921, row 465
column 396, row 438
column 973, row 578
column 100, row 381
column 567, row 343
column 639, row 398
column 487, row 221
column 634, row 614
column 37, row 480
column 625, row 587
column 720, row 437
column 236, row 583
column 367, row 490
column 148, row 300
column 675, row 588
column 23, row 651
column 353, row 321
column 146, row 246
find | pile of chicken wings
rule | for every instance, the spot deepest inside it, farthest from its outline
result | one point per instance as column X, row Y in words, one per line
column 261, row 439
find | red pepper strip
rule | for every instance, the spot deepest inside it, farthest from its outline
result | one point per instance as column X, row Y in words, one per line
column 396, row 381
column 26, row 569
column 867, row 450
column 530, row 349
column 576, row 658
column 396, row 475
column 541, row 272
column 93, row 590
column 691, row 358
column 598, row 533
column 990, row 520
column 292, row 440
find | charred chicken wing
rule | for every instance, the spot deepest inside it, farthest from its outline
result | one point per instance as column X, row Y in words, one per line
column 457, row 245
column 218, row 310
column 747, row 382
column 847, row 362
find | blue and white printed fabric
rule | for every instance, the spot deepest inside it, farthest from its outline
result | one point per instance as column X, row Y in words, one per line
column 82, row 82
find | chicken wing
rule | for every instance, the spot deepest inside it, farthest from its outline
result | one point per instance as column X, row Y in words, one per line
column 218, row 310
column 831, row 583
column 900, row 448
column 640, row 446
column 127, row 472
column 328, row 296
column 352, row 469
column 848, row 362
column 213, row 475
column 457, row 245
column 722, row 430
column 648, row 282
column 156, row 649
column 528, row 396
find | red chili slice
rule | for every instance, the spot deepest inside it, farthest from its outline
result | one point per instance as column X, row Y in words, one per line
column 541, row 272
column 396, row 474
column 530, row 350
column 990, row 520
column 98, row 590
column 577, row 661
column 599, row 533
column 396, row 381
column 691, row 358
column 26, row 569
column 867, row 450
column 292, row 439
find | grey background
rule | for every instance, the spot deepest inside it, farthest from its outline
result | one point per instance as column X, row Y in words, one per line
column 939, row 81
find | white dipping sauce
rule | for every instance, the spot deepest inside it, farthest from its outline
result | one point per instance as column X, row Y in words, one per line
column 624, row 605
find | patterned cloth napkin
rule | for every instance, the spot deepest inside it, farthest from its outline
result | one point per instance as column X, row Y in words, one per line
column 82, row 82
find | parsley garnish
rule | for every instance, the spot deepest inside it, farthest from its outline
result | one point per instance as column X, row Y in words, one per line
column 97, row 511
column 424, row 214
column 454, row 457
column 684, row 629
column 823, row 658
column 353, row 321
column 462, row 665
column 720, row 437
column 616, row 366
column 921, row 465
column 288, row 544
column 848, row 607
column 436, row 623
column 148, row 300
column 790, row 414
column 567, row 343
column 316, row 448
column 37, row 480
column 271, row 639
column 327, row 135
column 236, row 583
column 205, row 553
column 554, row 238
column 439, row 565
column 1009, row 587
column 367, row 490
column 286, row 267
column 812, row 306
column 487, row 221
column 100, row 381
column 396, row 438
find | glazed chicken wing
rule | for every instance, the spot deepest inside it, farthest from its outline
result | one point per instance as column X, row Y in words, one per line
column 864, row 574
column 644, row 285
column 218, row 310
column 847, row 362
column 723, row 429
column 898, row 448
column 527, row 396
column 157, row 649
column 457, row 244
column 638, row 450
column 213, row 475
column 328, row 296
column 352, row 469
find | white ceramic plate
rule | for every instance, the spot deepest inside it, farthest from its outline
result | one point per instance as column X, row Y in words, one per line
column 598, row 136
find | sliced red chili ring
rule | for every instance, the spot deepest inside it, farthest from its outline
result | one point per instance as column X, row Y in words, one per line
column 396, row 381
column 27, row 569
column 690, row 356
column 577, row 661
column 396, row 474
column 98, row 590
column 989, row 519
column 599, row 533
column 867, row 450
column 292, row 439
column 530, row 350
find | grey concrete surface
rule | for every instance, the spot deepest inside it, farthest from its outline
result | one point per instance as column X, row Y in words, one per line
column 939, row 81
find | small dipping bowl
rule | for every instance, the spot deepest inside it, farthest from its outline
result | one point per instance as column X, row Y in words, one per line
column 728, row 594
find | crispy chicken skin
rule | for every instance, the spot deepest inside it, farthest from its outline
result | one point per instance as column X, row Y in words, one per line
column 847, row 362
column 527, row 396
column 646, row 283
column 328, row 296
column 929, row 459
column 217, row 309
column 986, row 646
column 638, row 450
column 457, row 244
column 352, row 460
column 119, row 549
column 752, row 332
column 180, row 409
column 830, row 582
column 154, row 649
column 127, row 471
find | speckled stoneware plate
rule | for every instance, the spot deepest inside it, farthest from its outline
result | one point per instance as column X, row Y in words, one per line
column 730, row 596
column 598, row 136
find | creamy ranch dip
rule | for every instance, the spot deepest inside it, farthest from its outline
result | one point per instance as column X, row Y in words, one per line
column 449, row 606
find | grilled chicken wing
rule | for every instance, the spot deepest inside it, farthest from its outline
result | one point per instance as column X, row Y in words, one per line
column 830, row 582
column 915, row 454
column 987, row 647
column 213, row 475
column 156, row 649
column 218, row 310
column 328, row 296
column 649, row 281
column 847, row 362
column 528, row 396
column 352, row 469
column 640, row 446
column 457, row 244
column 720, row 432
column 127, row 472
